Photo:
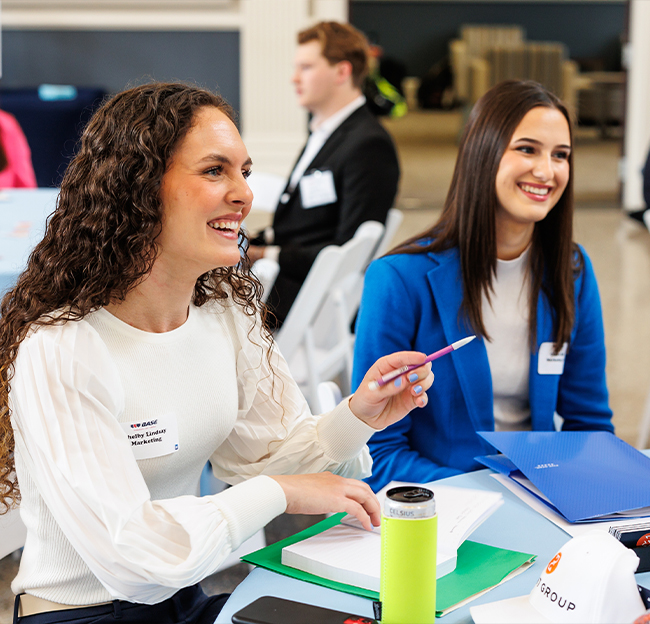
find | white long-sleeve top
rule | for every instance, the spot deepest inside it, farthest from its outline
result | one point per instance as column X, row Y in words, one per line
column 103, row 525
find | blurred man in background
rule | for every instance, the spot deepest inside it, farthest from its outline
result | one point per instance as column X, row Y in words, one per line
column 347, row 172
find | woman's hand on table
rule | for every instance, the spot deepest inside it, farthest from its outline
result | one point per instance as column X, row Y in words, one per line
column 389, row 403
column 329, row 493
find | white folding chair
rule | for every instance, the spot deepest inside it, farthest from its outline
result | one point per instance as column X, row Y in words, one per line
column 266, row 270
column 315, row 338
column 13, row 532
column 394, row 219
column 353, row 289
column 329, row 395
column 351, row 285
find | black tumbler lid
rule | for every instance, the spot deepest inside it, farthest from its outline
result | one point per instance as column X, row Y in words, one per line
column 410, row 494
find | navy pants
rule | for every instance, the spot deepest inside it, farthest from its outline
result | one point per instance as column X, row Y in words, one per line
column 188, row 606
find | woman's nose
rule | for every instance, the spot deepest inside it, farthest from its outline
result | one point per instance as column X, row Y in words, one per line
column 241, row 193
column 543, row 168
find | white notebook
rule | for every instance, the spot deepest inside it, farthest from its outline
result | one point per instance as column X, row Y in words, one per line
column 347, row 553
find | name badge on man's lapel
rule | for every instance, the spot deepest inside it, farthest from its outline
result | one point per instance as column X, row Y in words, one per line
column 549, row 363
column 317, row 189
column 154, row 437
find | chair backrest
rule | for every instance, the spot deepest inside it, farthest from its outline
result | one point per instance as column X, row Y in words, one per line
column 13, row 532
column 482, row 37
column 342, row 305
column 266, row 270
column 352, row 288
column 309, row 300
column 541, row 61
column 394, row 219
column 334, row 266
column 315, row 338
column 329, row 395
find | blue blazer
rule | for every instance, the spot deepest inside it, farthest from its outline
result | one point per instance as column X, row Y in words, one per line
column 412, row 302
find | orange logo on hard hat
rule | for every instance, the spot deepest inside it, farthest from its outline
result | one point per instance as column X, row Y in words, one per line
column 553, row 563
column 644, row 540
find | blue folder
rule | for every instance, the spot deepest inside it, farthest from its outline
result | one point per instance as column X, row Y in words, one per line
column 584, row 475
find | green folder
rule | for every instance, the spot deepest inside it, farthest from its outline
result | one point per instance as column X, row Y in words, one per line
column 478, row 568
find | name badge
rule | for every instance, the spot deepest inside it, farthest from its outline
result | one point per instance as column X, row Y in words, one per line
column 153, row 438
column 549, row 363
column 317, row 189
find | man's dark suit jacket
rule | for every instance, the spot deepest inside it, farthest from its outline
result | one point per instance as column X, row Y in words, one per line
column 362, row 158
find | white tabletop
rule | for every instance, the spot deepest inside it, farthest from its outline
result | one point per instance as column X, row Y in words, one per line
column 514, row 525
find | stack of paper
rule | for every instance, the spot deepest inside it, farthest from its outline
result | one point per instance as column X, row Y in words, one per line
column 349, row 554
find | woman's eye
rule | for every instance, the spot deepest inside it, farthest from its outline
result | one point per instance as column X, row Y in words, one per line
column 526, row 149
column 246, row 173
column 561, row 155
column 215, row 171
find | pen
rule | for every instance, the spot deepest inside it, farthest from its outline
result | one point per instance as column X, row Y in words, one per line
column 382, row 381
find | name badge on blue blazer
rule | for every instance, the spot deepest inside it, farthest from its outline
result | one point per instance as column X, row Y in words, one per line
column 549, row 363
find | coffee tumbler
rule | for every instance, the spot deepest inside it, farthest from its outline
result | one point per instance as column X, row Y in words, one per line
column 409, row 532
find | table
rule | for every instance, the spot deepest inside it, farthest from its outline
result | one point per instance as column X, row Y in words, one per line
column 514, row 525
column 23, row 213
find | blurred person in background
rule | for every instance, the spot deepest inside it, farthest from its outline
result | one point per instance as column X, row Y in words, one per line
column 643, row 216
column 347, row 172
column 16, row 170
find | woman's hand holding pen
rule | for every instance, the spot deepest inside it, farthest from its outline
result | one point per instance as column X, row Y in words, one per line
column 325, row 492
column 383, row 406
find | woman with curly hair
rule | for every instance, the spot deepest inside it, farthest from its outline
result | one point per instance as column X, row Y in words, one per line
column 132, row 351
column 500, row 263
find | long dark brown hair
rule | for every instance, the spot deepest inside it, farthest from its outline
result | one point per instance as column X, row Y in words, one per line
column 468, row 220
column 101, row 239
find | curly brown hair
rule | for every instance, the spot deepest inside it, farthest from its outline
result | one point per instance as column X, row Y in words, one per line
column 100, row 241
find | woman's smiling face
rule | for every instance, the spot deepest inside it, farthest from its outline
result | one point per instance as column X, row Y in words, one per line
column 204, row 197
column 534, row 169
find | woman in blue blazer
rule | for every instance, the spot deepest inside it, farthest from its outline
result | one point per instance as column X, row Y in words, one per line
column 499, row 263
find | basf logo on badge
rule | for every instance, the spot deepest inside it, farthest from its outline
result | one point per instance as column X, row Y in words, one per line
column 146, row 423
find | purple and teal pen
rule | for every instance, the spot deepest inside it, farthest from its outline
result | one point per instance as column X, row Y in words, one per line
column 382, row 381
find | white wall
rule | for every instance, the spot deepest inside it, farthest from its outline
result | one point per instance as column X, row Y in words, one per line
column 637, row 120
column 274, row 126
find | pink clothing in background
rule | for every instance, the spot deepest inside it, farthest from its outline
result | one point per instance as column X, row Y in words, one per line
column 19, row 171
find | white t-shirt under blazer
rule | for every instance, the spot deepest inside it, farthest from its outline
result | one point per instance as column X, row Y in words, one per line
column 506, row 321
